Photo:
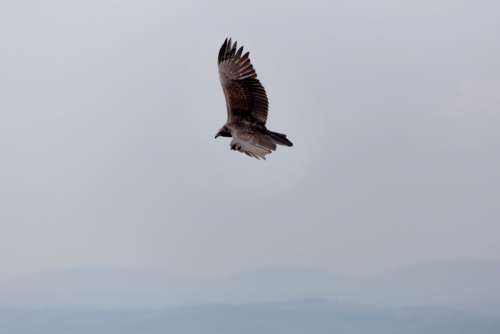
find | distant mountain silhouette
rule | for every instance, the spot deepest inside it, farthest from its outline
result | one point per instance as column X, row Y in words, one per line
column 459, row 283
column 473, row 285
column 290, row 318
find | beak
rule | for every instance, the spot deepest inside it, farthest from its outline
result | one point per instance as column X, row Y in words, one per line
column 217, row 135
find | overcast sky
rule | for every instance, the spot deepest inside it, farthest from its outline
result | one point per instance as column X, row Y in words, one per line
column 108, row 112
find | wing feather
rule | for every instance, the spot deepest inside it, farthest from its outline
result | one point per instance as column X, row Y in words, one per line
column 245, row 95
column 254, row 144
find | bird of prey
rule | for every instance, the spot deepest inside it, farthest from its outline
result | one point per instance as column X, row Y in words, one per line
column 247, row 105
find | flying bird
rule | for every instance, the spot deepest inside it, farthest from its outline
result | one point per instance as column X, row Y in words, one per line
column 247, row 105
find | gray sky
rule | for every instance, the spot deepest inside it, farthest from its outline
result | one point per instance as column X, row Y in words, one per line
column 108, row 111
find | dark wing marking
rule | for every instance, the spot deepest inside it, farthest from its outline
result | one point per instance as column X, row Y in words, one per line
column 245, row 95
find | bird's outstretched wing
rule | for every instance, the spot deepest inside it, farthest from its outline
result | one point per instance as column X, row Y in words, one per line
column 245, row 95
column 253, row 144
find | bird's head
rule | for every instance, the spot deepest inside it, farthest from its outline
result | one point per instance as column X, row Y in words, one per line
column 223, row 132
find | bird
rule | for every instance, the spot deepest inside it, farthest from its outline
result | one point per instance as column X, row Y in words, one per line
column 247, row 105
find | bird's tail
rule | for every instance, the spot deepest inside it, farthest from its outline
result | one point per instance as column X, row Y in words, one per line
column 280, row 138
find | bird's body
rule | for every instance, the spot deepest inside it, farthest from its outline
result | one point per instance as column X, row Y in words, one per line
column 247, row 105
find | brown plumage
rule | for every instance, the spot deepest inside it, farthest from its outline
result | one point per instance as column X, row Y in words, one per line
column 247, row 105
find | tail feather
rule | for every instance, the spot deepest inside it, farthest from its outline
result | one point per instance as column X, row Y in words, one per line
column 280, row 138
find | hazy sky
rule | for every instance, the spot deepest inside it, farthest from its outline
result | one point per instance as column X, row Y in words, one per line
column 108, row 111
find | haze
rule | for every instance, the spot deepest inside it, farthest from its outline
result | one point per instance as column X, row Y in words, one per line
column 108, row 111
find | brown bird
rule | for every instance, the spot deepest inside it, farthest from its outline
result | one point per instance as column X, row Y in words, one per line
column 247, row 105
